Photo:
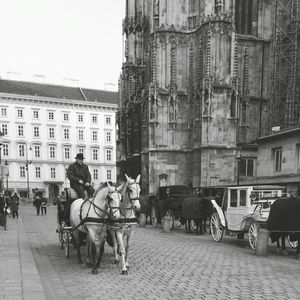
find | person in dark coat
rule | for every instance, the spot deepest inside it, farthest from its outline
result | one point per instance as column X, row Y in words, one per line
column 37, row 203
column 14, row 205
column 80, row 180
column 3, row 207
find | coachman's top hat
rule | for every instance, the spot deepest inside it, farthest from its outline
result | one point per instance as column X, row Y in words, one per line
column 79, row 156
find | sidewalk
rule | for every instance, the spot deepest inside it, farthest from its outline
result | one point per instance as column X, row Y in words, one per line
column 19, row 277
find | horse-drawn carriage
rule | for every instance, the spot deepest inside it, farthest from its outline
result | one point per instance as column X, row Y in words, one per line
column 111, row 208
column 168, row 202
column 244, row 210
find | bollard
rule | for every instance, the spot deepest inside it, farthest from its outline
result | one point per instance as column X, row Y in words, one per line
column 166, row 224
column 143, row 219
column 261, row 248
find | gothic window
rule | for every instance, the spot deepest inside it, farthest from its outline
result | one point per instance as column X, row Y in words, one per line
column 172, row 113
column 219, row 4
column 152, row 107
column 244, row 112
column 244, row 16
column 233, row 104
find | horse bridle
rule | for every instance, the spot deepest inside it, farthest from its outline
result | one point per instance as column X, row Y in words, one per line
column 128, row 193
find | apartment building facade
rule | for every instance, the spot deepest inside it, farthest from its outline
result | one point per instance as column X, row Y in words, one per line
column 44, row 127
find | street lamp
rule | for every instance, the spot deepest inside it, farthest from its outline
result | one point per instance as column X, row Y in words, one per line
column 6, row 174
column 27, row 162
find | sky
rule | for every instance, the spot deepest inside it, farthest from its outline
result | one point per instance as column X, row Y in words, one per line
column 68, row 42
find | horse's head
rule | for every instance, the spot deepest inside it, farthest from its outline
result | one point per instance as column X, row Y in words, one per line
column 133, row 191
column 114, row 198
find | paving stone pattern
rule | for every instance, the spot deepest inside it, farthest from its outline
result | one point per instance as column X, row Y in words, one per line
column 162, row 266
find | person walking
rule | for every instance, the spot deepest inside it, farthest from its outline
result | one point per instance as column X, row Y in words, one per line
column 44, row 206
column 37, row 203
column 14, row 205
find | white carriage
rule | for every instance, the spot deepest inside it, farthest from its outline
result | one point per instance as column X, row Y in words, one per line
column 244, row 210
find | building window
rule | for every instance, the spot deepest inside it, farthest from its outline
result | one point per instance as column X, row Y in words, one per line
column 94, row 119
column 51, row 133
column 95, row 154
column 66, row 133
column 67, row 152
column 20, row 130
column 108, row 136
column 244, row 16
column 35, row 114
column 52, row 152
column 36, row 131
column 5, row 150
column 108, row 154
column 37, row 151
column 108, row 120
column 51, row 115
column 80, row 135
column 20, row 113
column 37, row 172
column 95, row 174
column 108, row 174
column 22, row 171
column 277, row 157
column 53, row 172
column 3, row 111
column 66, row 117
column 80, row 118
column 94, row 136
column 81, row 150
column 246, row 167
column 21, row 150
column 4, row 129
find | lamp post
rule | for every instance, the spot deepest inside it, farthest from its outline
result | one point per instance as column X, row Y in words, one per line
column 27, row 162
column 1, row 184
column 6, row 174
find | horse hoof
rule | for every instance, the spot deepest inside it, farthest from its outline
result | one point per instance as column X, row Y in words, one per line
column 89, row 265
column 94, row 271
column 124, row 272
column 285, row 253
column 116, row 261
column 279, row 251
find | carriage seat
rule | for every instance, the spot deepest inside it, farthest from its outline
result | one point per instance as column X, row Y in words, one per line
column 72, row 195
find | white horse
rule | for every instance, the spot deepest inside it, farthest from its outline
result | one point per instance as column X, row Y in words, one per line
column 91, row 217
column 124, row 230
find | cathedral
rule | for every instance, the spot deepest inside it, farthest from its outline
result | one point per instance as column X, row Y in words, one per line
column 195, row 90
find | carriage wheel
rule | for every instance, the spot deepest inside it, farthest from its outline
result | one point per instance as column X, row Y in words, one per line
column 216, row 228
column 60, row 234
column 67, row 243
column 153, row 217
column 252, row 234
column 170, row 214
column 294, row 244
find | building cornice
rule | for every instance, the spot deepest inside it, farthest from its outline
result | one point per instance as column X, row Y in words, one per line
column 64, row 103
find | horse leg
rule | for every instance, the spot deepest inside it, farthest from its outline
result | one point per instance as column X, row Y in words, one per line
column 282, row 237
column 128, row 236
column 93, row 255
column 88, row 248
column 77, row 245
column 201, row 226
column 115, row 247
column 298, row 250
column 119, row 235
column 101, row 253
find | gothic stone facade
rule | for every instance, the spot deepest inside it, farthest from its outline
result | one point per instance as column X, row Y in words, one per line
column 193, row 90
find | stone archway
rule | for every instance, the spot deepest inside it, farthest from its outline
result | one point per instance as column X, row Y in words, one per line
column 53, row 191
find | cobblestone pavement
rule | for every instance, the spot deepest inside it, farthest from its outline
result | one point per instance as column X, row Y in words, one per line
column 162, row 266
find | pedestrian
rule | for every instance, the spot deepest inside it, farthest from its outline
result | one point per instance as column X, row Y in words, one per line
column 44, row 206
column 37, row 203
column 3, row 207
column 14, row 205
column 80, row 180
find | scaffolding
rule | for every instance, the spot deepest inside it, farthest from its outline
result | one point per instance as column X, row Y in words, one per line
column 285, row 94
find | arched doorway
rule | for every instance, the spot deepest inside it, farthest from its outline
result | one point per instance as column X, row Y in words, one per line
column 53, row 191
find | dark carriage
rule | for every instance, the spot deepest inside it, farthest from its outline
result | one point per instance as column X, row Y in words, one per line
column 168, row 202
